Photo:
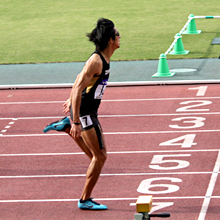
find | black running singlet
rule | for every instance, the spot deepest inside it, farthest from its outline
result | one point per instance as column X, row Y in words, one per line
column 92, row 94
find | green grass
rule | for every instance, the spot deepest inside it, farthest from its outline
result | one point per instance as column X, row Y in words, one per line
column 38, row 31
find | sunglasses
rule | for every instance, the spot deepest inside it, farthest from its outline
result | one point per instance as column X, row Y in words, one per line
column 117, row 34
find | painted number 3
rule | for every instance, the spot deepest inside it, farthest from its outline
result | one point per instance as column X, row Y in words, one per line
column 195, row 122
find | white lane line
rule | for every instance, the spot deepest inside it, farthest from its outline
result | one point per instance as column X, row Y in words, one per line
column 9, row 125
column 109, row 152
column 117, row 116
column 154, row 115
column 24, row 103
column 41, row 154
column 34, row 135
column 116, row 133
column 32, row 118
column 101, row 199
column 108, row 100
column 210, row 189
column 104, row 175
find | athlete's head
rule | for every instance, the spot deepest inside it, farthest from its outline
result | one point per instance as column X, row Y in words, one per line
column 102, row 33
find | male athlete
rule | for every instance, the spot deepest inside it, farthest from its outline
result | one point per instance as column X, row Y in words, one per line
column 83, row 105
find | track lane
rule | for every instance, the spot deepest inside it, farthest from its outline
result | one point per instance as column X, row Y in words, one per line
column 187, row 201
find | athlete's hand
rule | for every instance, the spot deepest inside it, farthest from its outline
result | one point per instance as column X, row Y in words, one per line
column 75, row 131
column 66, row 106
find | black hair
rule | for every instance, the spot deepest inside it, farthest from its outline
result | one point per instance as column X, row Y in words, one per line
column 102, row 33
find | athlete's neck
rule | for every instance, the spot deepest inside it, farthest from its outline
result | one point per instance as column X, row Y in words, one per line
column 108, row 52
column 106, row 55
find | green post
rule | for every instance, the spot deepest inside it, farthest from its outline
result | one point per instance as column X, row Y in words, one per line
column 191, row 28
column 163, row 69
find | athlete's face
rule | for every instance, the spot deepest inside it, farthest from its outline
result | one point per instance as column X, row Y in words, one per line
column 117, row 38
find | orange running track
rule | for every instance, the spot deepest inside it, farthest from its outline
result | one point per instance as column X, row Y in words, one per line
column 162, row 141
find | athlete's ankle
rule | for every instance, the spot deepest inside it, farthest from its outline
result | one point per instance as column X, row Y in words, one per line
column 83, row 200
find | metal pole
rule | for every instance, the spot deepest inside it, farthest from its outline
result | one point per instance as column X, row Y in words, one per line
column 207, row 17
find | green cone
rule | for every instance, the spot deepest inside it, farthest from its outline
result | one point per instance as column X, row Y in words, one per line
column 163, row 69
column 178, row 47
column 191, row 28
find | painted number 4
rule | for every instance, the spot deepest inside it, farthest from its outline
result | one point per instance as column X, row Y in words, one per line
column 185, row 141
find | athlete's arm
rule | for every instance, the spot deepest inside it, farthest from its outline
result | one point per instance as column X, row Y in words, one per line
column 92, row 67
column 67, row 103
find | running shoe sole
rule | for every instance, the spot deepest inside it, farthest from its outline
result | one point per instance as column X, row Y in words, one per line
column 91, row 205
column 60, row 125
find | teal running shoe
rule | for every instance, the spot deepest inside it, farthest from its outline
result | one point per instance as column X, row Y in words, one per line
column 89, row 204
column 60, row 125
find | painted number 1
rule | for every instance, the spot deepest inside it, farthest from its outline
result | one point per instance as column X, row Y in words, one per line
column 201, row 90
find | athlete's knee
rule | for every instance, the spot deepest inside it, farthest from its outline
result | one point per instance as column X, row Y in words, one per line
column 104, row 157
column 101, row 158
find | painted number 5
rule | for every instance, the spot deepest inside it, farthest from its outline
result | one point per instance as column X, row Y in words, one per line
column 178, row 164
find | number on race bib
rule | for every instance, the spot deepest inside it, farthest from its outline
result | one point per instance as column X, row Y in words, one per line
column 86, row 121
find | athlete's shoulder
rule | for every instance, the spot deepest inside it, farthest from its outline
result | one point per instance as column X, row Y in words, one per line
column 96, row 58
column 94, row 64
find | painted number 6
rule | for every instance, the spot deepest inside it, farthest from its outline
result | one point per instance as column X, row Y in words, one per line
column 147, row 185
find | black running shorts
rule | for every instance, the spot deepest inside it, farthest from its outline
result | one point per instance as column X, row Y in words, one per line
column 90, row 121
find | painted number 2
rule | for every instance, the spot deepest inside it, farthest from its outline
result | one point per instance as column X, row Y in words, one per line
column 192, row 108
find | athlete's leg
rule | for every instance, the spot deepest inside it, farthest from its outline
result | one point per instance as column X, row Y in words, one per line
column 79, row 141
column 99, row 156
column 81, row 144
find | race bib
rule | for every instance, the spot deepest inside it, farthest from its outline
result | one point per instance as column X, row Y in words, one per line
column 99, row 92
column 86, row 121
